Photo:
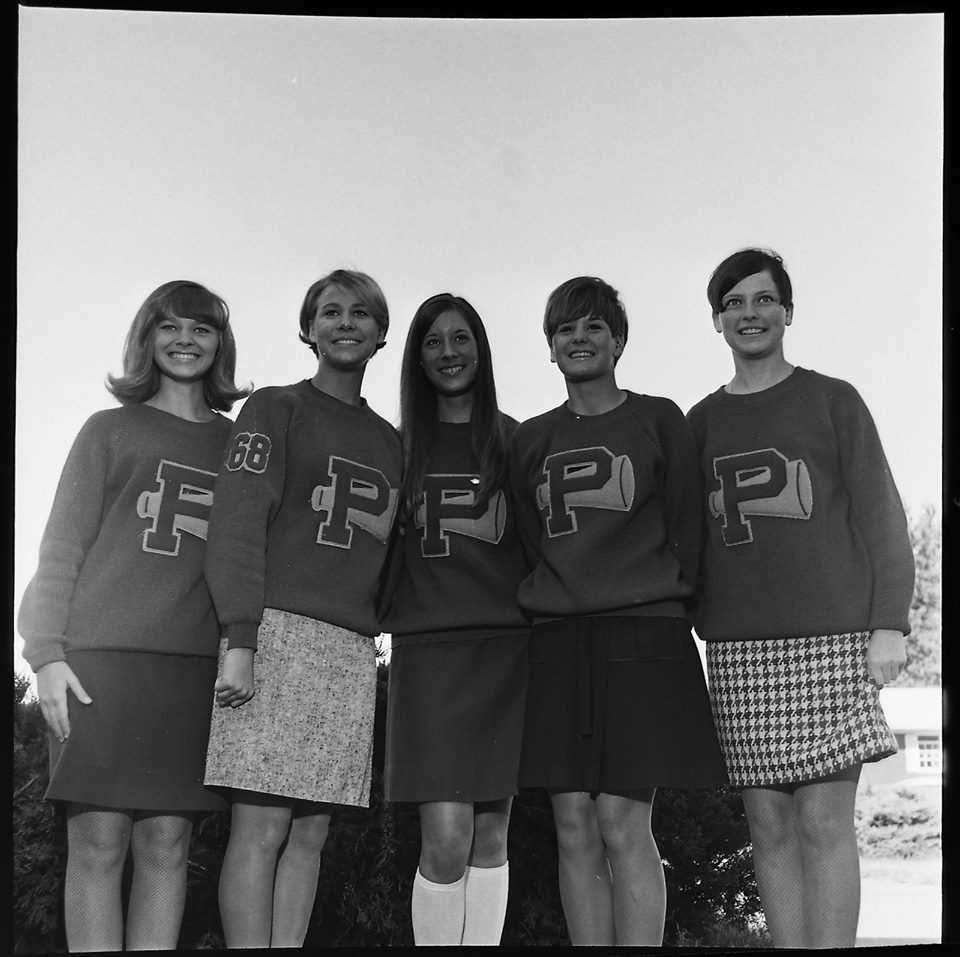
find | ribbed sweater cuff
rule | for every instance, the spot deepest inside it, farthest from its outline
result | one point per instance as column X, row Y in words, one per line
column 52, row 652
column 241, row 634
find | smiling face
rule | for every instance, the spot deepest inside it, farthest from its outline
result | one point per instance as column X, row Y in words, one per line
column 584, row 348
column 752, row 317
column 448, row 354
column 344, row 330
column 184, row 349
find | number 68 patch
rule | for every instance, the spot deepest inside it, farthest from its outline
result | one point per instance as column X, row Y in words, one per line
column 250, row 451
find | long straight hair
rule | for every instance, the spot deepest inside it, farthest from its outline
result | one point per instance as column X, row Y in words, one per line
column 418, row 407
column 179, row 299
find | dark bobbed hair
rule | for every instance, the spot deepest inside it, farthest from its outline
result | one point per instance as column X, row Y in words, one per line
column 585, row 296
column 418, row 407
column 361, row 285
column 746, row 262
column 178, row 299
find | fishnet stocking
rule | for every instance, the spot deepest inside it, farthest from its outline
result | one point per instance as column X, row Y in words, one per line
column 160, row 844
column 97, row 840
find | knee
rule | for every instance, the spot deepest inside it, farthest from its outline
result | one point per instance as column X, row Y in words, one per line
column 489, row 843
column 578, row 834
column 824, row 828
column 444, row 850
column 773, row 828
column 262, row 833
column 161, row 844
column 623, row 832
column 309, row 834
column 99, row 851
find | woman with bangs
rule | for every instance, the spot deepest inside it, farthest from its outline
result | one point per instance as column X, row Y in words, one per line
column 459, row 640
column 607, row 487
column 119, row 627
column 306, row 500
column 807, row 582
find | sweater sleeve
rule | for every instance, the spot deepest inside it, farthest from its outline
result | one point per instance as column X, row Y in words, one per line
column 248, row 493
column 525, row 509
column 682, row 484
column 877, row 511
column 70, row 532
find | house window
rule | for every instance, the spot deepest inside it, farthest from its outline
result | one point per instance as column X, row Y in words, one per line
column 924, row 754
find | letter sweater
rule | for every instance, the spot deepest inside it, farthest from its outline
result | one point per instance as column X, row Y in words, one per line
column 306, row 500
column 121, row 557
column 806, row 534
column 461, row 562
column 607, row 506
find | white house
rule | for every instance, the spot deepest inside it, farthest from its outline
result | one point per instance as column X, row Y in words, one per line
column 915, row 716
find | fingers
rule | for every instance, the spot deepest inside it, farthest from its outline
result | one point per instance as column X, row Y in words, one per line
column 231, row 694
column 55, row 714
column 73, row 683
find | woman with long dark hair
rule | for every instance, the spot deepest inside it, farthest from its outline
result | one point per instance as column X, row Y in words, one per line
column 459, row 640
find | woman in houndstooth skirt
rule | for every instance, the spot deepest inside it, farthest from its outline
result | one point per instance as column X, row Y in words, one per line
column 807, row 581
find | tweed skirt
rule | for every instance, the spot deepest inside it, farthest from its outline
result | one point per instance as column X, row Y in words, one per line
column 141, row 744
column 455, row 719
column 307, row 733
column 618, row 704
column 789, row 710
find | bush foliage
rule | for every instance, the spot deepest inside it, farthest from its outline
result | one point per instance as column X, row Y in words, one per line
column 371, row 856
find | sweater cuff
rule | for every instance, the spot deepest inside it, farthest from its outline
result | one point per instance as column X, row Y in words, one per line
column 44, row 656
column 241, row 634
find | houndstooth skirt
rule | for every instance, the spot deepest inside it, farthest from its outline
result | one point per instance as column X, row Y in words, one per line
column 795, row 709
column 307, row 733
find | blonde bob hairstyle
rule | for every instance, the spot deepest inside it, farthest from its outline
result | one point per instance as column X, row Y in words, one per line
column 361, row 285
column 179, row 299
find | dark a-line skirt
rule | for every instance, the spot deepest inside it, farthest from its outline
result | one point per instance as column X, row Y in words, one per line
column 142, row 742
column 790, row 710
column 455, row 719
column 618, row 704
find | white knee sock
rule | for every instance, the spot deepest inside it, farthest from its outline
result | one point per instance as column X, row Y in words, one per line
column 437, row 912
column 485, row 904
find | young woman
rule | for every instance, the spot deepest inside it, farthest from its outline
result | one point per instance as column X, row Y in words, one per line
column 309, row 493
column 458, row 663
column 119, row 628
column 607, row 487
column 808, row 577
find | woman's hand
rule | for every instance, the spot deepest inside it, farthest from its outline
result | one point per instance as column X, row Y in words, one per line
column 234, row 687
column 53, row 682
column 886, row 655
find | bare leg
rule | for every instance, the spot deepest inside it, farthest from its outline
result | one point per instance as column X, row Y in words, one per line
column 831, row 860
column 438, row 900
column 160, row 845
column 585, row 882
column 257, row 831
column 446, row 835
column 639, row 886
column 777, row 862
column 97, row 842
column 298, row 871
column 485, row 898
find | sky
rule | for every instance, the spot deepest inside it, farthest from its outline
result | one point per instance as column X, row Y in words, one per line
column 489, row 158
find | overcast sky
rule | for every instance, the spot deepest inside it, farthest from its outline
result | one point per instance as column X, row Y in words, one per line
column 490, row 158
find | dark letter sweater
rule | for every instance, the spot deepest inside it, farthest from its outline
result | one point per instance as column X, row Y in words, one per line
column 461, row 561
column 806, row 533
column 608, row 510
column 122, row 553
column 306, row 501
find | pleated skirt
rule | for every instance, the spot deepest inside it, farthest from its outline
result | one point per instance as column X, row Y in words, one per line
column 618, row 704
